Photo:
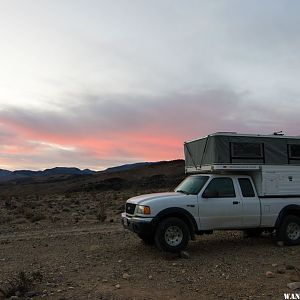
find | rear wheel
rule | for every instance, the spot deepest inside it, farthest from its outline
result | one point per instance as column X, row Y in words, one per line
column 172, row 235
column 289, row 230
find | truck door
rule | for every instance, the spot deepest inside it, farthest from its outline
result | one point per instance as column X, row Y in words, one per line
column 220, row 206
column 251, row 203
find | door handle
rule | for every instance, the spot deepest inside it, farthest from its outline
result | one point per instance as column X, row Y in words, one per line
column 236, row 202
column 190, row 205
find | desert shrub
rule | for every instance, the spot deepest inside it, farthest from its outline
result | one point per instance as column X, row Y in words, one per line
column 101, row 208
column 101, row 215
column 34, row 216
column 54, row 219
column 20, row 220
column 37, row 217
column 66, row 209
column 4, row 219
column 20, row 284
column 8, row 203
column 68, row 195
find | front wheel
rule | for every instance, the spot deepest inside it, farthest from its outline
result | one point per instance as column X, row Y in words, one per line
column 289, row 230
column 172, row 235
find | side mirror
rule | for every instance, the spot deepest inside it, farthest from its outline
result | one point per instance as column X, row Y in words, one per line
column 210, row 194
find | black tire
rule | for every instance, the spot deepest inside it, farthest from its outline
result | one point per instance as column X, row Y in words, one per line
column 253, row 232
column 172, row 235
column 146, row 238
column 289, row 230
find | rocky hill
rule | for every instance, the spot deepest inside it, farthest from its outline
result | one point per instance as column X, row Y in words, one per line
column 164, row 174
column 6, row 175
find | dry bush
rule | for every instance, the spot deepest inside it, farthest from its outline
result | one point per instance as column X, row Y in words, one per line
column 101, row 208
column 5, row 219
column 20, row 284
column 33, row 216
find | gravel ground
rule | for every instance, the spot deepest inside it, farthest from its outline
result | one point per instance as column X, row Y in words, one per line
column 103, row 261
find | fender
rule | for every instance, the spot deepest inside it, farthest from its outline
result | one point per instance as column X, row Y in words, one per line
column 178, row 212
column 292, row 209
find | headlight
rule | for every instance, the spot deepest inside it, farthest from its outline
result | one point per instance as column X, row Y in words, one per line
column 142, row 210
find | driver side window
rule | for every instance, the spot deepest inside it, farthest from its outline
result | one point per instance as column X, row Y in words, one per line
column 221, row 187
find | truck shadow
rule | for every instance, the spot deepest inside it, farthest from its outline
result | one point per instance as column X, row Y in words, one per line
column 230, row 243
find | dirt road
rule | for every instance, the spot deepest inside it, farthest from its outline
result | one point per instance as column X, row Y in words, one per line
column 102, row 261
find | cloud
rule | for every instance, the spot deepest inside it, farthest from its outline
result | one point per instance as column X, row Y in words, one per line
column 133, row 80
column 99, row 131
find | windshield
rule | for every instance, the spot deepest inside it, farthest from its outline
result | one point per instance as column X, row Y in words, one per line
column 191, row 185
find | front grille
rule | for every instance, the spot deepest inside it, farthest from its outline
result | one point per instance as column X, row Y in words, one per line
column 130, row 207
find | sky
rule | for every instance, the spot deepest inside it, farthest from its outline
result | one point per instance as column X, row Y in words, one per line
column 94, row 84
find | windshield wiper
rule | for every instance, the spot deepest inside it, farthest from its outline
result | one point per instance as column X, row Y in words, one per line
column 182, row 191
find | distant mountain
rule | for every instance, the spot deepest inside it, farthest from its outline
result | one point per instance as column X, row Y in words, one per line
column 126, row 167
column 6, row 175
column 143, row 176
column 57, row 172
column 64, row 170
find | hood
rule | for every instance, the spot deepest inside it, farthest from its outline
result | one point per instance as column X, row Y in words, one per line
column 143, row 198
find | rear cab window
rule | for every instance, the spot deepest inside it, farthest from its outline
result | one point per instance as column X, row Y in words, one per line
column 246, row 187
column 220, row 187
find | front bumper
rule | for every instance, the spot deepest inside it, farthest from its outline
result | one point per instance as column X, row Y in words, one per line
column 138, row 225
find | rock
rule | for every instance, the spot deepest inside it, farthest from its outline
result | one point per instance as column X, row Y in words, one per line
column 280, row 271
column 126, row 276
column 274, row 265
column 184, row 254
column 117, row 286
column 31, row 294
column 150, row 276
column 280, row 243
column 14, row 297
column 294, row 285
column 270, row 274
column 295, row 277
column 104, row 280
column 94, row 247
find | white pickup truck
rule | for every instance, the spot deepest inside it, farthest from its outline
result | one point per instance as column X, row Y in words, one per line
column 250, row 197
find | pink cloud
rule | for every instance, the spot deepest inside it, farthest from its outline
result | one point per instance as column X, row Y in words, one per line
column 99, row 134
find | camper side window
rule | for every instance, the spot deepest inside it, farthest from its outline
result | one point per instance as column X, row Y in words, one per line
column 219, row 188
column 247, row 150
column 294, row 151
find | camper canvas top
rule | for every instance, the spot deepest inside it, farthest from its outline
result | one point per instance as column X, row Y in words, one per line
column 240, row 152
column 229, row 133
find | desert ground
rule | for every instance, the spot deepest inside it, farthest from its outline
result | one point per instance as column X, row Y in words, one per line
column 71, row 245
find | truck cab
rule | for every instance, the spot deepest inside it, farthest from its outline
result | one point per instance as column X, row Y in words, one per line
column 203, row 202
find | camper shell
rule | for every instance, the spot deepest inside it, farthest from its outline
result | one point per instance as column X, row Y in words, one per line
column 272, row 161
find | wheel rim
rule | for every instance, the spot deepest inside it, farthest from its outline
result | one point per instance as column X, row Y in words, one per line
column 173, row 236
column 293, row 231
